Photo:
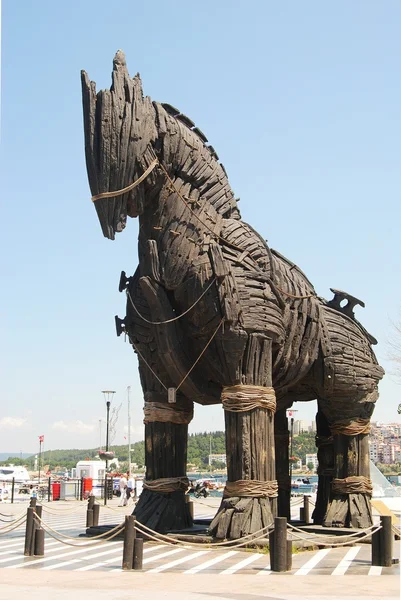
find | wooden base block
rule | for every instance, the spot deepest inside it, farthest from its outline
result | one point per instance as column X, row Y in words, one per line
column 238, row 517
column 349, row 510
column 163, row 512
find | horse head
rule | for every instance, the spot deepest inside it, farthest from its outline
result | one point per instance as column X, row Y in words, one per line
column 120, row 141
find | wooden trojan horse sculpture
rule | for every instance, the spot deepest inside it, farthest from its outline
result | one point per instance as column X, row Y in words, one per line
column 216, row 316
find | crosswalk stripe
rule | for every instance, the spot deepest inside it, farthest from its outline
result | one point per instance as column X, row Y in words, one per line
column 210, row 563
column 320, row 554
column 375, row 570
column 48, row 558
column 177, row 562
column 59, row 565
column 89, row 557
column 345, row 563
column 241, row 564
column 168, row 553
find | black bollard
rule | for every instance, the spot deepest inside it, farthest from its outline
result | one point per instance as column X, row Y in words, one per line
column 306, row 510
column 89, row 518
column 280, row 544
column 12, row 490
column 29, row 530
column 386, row 541
column 376, row 548
column 96, row 513
column 271, row 549
column 129, row 539
column 35, row 527
column 289, row 555
column 138, row 554
column 39, row 548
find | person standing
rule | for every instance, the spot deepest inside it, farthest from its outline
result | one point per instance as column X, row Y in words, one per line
column 123, row 491
column 130, row 487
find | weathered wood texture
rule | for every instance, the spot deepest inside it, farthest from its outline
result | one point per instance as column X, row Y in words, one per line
column 165, row 456
column 281, row 438
column 325, row 455
column 250, row 451
column 198, row 259
column 351, row 458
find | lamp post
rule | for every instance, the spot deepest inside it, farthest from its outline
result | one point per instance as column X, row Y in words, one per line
column 129, row 432
column 106, row 395
column 290, row 413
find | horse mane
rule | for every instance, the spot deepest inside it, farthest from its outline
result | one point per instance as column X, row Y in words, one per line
column 184, row 150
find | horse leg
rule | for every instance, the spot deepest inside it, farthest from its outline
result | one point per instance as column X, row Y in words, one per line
column 162, row 504
column 281, row 443
column 349, row 504
column 325, row 455
column 250, row 496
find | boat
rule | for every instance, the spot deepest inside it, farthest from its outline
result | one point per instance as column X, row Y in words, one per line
column 10, row 472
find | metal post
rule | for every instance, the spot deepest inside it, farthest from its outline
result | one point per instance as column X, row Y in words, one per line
column 12, row 490
column 129, row 432
column 39, row 549
column 138, row 554
column 376, row 548
column 28, row 530
column 129, row 540
column 291, row 438
column 386, row 541
column 306, row 510
column 96, row 513
column 49, row 489
column 280, row 544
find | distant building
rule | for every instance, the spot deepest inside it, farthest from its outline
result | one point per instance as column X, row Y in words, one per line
column 311, row 458
column 217, row 458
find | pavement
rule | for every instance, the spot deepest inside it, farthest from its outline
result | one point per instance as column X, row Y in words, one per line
column 116, row 584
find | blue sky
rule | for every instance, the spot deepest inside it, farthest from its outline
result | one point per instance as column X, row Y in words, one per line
column 302, row 103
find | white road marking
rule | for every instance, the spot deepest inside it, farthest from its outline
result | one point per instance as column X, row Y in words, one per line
column 209, row 563
column 345, row 563
column 375, row 570
column 241, row 564
column 179, row 561
column 59, row 565
column 320, row 554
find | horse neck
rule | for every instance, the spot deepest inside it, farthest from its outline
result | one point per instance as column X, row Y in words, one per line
column 186, row 157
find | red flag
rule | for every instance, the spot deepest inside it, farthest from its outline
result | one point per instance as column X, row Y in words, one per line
column 41, row 438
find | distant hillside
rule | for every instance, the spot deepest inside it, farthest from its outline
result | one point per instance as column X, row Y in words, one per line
column 6, row 455
column 199, row 447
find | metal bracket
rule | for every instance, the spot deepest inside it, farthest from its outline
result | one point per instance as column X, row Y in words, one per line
column 120, row 325
column 124, row 281
column 348, row 309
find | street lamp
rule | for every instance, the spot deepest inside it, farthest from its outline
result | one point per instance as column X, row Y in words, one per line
column 290, row 413
column 108, row 396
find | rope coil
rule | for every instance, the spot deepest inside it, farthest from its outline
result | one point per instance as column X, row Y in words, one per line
column 243, row 398
column 356, row 484
column 165, row 413
column 252, row 488
column 166, row 485
column 347, row 427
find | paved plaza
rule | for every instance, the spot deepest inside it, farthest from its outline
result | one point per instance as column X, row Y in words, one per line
column 177, row 571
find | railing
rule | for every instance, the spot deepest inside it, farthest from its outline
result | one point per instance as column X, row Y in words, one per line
column 51, row 488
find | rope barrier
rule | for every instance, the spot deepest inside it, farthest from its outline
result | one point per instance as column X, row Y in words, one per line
column 175, row 318
column 333, row 544
column 62, row 511
column 230, row 543
column 15, row 526
column 114, row 531
column 355, row 534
